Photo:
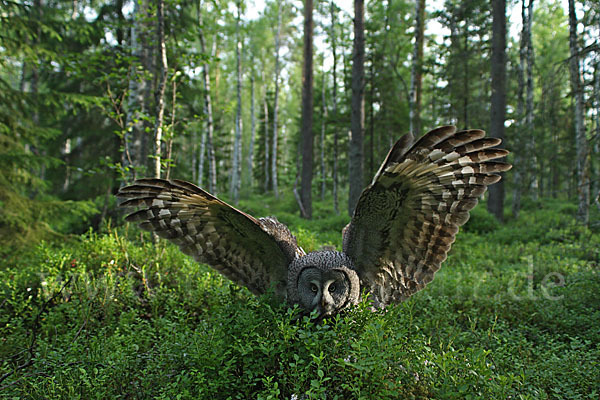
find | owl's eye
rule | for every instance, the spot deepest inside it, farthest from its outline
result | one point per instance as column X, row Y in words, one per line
column 314, row 288
column 332, row 288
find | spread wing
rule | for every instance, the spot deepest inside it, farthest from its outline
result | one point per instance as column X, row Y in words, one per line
column 407, row 218
column 254, row 253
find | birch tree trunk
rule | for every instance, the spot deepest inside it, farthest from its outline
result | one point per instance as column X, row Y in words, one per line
column 307, row 113
column 160, row 91
column 212, row 165
column 498, row 101
column 276, row 104
column 416, row 76
column 583, row 184
column 336, row 207
column 357, row 119
column 131, row 158
column 237, row 144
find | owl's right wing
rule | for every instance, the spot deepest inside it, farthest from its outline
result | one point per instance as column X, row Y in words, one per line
column 254, row 253
column 407, row 219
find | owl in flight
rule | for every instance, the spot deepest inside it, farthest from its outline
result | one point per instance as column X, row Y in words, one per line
column 402, row 228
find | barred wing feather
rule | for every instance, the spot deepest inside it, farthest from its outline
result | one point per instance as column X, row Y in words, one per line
column 251, row 252
column 407, row 218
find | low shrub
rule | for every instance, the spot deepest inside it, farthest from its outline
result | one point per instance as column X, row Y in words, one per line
column 512, row 314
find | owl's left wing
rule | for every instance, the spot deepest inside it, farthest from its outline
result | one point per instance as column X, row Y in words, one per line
column 251, row 252
column 407, row 218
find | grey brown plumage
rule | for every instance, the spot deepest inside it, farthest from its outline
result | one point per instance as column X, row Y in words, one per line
column 402, row 229
column 407, row 219
column 251, row 252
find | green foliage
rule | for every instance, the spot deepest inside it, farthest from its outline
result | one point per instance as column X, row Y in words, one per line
column 481, row 221
column 512, row 314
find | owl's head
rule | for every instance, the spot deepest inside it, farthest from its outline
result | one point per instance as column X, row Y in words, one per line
column 324, row 281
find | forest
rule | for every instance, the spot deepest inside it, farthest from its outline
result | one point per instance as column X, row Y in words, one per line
column 287, row 108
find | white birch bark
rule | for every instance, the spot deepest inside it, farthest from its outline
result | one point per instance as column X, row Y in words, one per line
column 160, row 97
column 237, row 143
column 212, row 167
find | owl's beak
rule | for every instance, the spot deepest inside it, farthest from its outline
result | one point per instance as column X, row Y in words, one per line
column 326, row 304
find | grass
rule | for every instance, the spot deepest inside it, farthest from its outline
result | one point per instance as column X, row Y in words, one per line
column 514, row 313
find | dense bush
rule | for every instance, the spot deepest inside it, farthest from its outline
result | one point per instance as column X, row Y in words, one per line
column 514, row 313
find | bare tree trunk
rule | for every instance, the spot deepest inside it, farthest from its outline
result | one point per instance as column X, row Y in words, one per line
column 467, row 77
column 169, row 155
column 596, row 141
column 160, row 92
column 498, row 100
column 357, row 119
column 525, row 129
column 371, row 119
column 212, row 165
column 531, row 151
column 252, row 128
column 323, row 118
column 201, row 153
column 307, row 113
column 276, row 104
column 583, row 184
column 416, row 75
column 267, row 140
column 237, row 144
column 336, row 207
column 131, row 158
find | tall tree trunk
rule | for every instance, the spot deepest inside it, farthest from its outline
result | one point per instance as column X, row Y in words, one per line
column 160, row 91
column 212, row 164
column 525, row 118
column 201, row 153
column 267, row 140
column 357, row 118
column 498, row 100
column 323, row 118
column 132, row 157
column 467, row 77
column 596, row 142
column 371, row 119
column 169, row 155
column 531, row 150
column 416, row 75
column 250, row 164
column 336, row 207
column 583, row 184
column 307, row 113
column 276, row 104
column 237, row 144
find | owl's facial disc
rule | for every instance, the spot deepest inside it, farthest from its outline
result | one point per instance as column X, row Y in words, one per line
column 324, row 281
column 324, row 291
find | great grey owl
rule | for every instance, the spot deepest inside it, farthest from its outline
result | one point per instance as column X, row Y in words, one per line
column 404, row 224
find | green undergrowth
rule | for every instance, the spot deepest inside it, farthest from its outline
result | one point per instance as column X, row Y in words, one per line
column 514, row 313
